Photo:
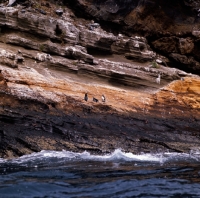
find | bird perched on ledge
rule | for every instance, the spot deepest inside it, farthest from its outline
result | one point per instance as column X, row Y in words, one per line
column 103, row 98
column 158, row 79
column 95, row 100
column 182, row 79
column 86, row 97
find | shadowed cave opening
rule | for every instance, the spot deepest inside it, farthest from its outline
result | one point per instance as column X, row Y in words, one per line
column 58, row 31
column 98, row 52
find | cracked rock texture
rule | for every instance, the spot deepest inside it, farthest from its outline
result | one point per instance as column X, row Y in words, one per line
column 147, row 66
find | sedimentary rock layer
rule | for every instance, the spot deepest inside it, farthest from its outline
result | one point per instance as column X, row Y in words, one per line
column 50, row 59
column 41, row 115
column 172, row 27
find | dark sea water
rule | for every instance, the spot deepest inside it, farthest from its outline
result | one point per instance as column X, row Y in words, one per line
column 67, row 174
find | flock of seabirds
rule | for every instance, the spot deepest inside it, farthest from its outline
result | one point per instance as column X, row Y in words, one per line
column 95, row 99
column 92, row 27
column 103, row 98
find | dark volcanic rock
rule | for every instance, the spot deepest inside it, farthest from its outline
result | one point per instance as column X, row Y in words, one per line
column 31, row 131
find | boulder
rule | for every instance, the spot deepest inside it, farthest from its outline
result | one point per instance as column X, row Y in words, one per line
column 167, row 44
column 186, row 45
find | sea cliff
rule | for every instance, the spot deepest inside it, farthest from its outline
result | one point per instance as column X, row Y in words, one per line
column 52, row 53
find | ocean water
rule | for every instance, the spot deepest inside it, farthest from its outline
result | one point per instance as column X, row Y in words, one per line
column 67, row 174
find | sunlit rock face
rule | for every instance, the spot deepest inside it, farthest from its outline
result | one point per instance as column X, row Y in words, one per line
column 45, row 110
column 49, row 61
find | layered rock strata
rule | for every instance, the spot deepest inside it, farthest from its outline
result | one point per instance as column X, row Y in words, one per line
column 48, row 63
column 172, row 27
column 39, row 112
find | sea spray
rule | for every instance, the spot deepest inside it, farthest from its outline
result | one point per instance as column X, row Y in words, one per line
column 46, row 156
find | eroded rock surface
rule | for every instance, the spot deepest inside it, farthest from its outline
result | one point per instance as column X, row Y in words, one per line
column 176, row 23
column 48, row 61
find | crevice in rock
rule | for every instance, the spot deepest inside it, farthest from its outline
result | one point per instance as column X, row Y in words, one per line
column 7, row 119
column 14, row 149
column 159, row 143
column 53, row 40
column 28, row 145
column 5, row 30
column 98, row 52
column 58, row 31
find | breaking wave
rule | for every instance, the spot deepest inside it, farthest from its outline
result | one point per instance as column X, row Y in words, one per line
column 51, row 157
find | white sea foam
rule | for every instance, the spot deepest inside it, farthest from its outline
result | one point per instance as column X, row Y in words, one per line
column 54, row 156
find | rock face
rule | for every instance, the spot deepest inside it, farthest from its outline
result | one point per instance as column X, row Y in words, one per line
column 134, row 48
column 173, row 22
column 48, row 61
